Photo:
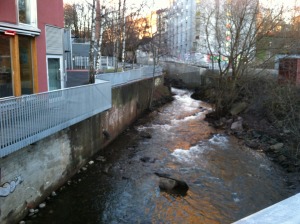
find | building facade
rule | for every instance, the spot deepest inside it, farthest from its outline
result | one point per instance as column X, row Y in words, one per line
column 31, row 46
column 188, row 37
column 203, row 31
column 181, row 28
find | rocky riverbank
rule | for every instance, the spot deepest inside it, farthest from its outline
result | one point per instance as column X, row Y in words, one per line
column 254, row 131
column 257, row 133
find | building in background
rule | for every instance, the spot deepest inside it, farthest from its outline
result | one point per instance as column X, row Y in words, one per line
column 187, row 35
column 31, row 46
column 201, row 31
column 182, row 28
column 151, row 34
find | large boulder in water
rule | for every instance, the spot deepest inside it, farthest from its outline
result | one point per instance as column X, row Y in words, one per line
column 172, row 185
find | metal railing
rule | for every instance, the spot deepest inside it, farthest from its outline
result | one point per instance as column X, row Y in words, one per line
column 81, row 62
column 27, row 119
column 120, row 78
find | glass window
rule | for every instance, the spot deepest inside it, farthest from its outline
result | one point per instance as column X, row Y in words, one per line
column 6, row 84
column 27, row 12
column 54, row 74
column 26, row 71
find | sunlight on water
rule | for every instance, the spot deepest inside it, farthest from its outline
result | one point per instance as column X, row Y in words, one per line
column 194, row 152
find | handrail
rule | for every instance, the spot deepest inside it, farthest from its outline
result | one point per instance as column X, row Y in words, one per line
column 121, row 78
column 30, row 118
column 27, row 119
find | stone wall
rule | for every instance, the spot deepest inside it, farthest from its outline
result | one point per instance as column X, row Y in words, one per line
column 29, row 175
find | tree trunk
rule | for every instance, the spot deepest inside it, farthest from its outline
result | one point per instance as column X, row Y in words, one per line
column 92, row 46
column 124, row 35
column 100, row 38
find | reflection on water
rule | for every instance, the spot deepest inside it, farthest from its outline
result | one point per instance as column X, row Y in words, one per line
column 226, row 181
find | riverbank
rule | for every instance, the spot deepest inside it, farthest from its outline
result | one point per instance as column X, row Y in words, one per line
column 260, row 113
column 255, row 132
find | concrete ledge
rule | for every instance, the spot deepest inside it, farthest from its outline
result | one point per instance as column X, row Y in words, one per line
column 284, row 212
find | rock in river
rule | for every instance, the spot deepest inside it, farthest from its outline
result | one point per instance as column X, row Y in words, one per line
column 172, row 185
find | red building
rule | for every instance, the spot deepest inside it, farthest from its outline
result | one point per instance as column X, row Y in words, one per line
column 31, row 46
column 289, row 71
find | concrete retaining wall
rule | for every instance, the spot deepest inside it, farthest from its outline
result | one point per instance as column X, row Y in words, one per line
column 28, row 176
column 192, row 76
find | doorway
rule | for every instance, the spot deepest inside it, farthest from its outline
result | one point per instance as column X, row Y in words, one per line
column 55, row 73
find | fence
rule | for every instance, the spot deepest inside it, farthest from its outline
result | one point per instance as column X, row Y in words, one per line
column 120, row 78
column 27, row 119
column 80, row 62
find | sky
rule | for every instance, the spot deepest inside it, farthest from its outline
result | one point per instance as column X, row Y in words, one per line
column 157, row 4
column 160, row 4
column 286, row 3
column 164, row 3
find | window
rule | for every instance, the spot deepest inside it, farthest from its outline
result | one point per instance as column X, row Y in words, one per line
column 18, row 67
column 6, row 83
column 26, row 71
column 27, row 12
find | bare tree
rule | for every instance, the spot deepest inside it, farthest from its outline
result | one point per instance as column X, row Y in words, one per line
column 124, row 34
column 77, row 18
column 236, row 33
column 71, row 18
column 92, row 45
column 107, row 27
column 121, row 29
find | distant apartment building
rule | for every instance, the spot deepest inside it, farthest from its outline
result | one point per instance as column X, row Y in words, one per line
column 154, row 27
column 158, row 26
column 200, row 29
column 158, row 22
column 31, row 46
column 182, row 36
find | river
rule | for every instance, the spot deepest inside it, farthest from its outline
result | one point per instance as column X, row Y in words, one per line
column 226, row 180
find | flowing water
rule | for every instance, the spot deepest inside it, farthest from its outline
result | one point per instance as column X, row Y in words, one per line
column 226, row 181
